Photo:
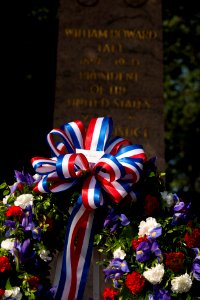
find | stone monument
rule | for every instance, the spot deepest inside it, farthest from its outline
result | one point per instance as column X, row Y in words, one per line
column 110, row 63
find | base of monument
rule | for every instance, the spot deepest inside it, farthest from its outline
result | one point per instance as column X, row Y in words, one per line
column 95, row 282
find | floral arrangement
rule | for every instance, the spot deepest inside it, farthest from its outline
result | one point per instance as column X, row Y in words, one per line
column 150, row 247
column 149, row 239
column 32, row 229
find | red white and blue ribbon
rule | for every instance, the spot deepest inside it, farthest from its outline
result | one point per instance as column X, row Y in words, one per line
column 110, row 169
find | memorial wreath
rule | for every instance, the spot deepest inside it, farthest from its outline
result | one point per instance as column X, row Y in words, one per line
column 102, row 193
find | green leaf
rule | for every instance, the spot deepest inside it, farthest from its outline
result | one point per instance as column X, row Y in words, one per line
column 3, row 185
column 8, row 285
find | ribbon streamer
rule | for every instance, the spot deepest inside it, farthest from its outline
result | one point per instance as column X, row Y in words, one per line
column 110, row 169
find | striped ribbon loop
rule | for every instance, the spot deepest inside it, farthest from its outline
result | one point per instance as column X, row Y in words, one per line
column 112, row 167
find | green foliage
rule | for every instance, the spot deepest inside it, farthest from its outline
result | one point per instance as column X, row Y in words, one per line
column 181, row 33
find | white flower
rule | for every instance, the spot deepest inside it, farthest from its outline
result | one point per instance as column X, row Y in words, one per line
column 14, row 293
column 146, row 226
column 24, row 200
column 37, row 177
column 44, row 255
column 119, row 253
column 8, row 244
column 5, row 199
column 155, row 274
column 168, row 199
column 181, row 284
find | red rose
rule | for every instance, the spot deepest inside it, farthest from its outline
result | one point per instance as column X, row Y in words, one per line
column 109, row 294
column 4, row 264
column 192, row 239
column 136, row 242
column 14, row 211
column 135, row 282
column 2, row 292
column 151, row 205
column 175, row 260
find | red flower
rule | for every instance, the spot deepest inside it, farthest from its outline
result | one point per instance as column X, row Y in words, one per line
column 109, row 294
column 14, row 211
column 4, row 264
column 33, row 282
column 175, row 260
column 151, row 205
column 135, row 282
column 136, row 242
column 2, row 292
column 192, row 239
column 20, row 186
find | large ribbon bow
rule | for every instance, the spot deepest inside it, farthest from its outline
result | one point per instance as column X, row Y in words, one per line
column 112, row 167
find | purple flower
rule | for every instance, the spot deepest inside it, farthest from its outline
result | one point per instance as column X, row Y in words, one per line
column 146, row 248
column 175, row 198
column 155, row 232
column 11, row 225
column 115, row 270
column 27, row 221
column 143, row 251
column 124, row 220
column 22, row 178
column 156, row 250
column 181, row 210
column 159, row 294
column 196, row 265
column 49, row 295
column 36, row 232
column 23, row 252
column 113, row 220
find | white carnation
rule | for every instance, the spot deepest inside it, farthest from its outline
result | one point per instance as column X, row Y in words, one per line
column 119, row 253
column 44, row 255
column 24, row 200
column 14, row 293
column 181, row 284
column 146, row 226
column 155, row 274
column 8, row 244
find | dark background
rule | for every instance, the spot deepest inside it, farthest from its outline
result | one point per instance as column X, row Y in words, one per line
column 28, row 74
column 28, row 84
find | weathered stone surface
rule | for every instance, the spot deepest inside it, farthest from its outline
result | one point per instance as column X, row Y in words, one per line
column 110, row 63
